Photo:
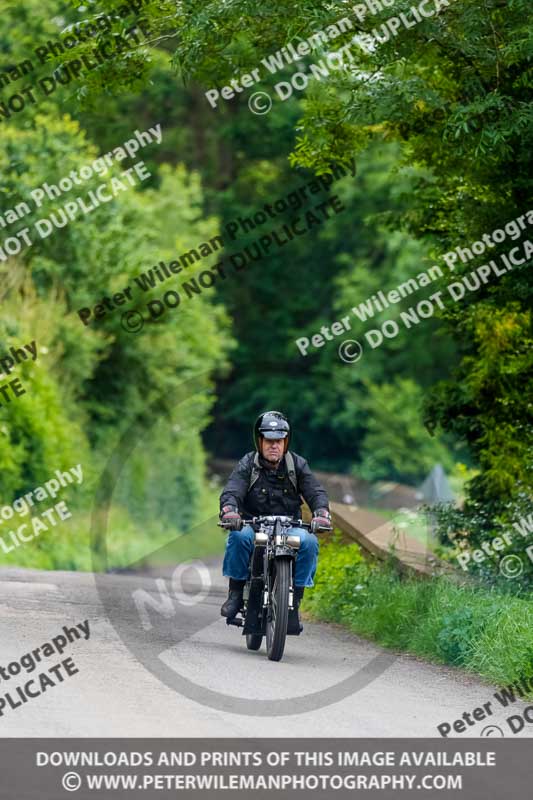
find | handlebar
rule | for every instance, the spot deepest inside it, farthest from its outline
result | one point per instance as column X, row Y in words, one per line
column 271, row 518
column 294, row 523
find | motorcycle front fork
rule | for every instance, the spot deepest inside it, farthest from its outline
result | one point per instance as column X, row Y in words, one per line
column 266, row 592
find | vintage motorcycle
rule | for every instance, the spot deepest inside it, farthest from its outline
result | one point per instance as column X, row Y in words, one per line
column 269, row 591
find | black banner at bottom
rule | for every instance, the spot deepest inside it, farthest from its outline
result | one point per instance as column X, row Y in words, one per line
column 54, row 769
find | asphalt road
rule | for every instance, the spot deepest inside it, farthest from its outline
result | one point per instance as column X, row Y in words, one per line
column 176, row 669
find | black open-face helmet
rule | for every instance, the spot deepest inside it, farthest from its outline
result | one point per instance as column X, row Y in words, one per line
column 272, row 425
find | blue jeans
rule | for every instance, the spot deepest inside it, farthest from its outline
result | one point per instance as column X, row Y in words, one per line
column 239, row 548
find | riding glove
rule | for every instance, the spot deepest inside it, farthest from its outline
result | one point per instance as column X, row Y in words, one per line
column 231, row 518
column 321, row 520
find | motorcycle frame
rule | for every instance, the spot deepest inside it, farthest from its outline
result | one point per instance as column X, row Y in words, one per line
column 272, row 550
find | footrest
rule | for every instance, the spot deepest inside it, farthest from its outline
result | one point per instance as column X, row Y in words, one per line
column 237, row 621
column 294, row 632
column 294, row 626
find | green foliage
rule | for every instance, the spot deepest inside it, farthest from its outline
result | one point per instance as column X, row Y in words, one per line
column 454, row 637
column 343, row 566
column 496, row 381
column 42, row 430
column 333, row 268
column 454, row 92
column 476, row 522
column 442, row 136
column 396, row 444
column 129, row 542
column 336, row 266
column 91, row 385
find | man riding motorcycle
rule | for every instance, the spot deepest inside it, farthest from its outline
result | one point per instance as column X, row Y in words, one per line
column 267, row 482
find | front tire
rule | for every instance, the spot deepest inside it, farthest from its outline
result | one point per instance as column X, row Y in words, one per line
column 253, row 641
column 278, row 612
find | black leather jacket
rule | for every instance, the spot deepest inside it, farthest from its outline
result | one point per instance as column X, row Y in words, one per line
column 273, row 492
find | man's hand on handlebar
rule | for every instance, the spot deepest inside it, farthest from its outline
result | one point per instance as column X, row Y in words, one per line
column 231, row 519
column 321, row 520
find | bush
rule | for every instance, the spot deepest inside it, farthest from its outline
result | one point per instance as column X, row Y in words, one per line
column 468, row 527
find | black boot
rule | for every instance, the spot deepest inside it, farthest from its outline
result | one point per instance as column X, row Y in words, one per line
column 294, row 626
column 233, row 604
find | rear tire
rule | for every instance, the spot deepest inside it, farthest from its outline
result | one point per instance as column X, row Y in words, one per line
column 278, row 613
column 253, row 641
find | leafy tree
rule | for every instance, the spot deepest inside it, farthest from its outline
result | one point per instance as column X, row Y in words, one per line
column 439, row 118
column 90, row 384
column 454, row 91
column 396, row 444
column 332, row 268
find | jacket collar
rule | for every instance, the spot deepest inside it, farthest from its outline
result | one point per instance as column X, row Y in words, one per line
column 263, row 464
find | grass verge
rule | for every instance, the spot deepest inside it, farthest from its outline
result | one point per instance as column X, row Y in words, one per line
column 480, row 630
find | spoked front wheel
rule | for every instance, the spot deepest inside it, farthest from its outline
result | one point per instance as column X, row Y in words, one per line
column 278, row 612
